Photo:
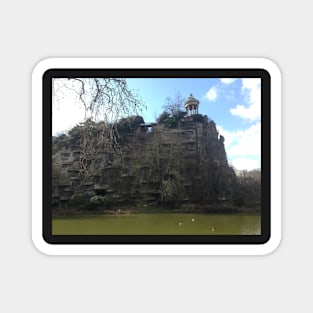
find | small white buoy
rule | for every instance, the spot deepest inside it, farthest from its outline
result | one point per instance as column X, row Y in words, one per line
column 180, row 224
column 212, row 228
column 192, row 219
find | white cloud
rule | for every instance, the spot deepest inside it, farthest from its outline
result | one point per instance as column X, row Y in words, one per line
column 251, row 113
column 243, row 145
column 212, row 94
column 227, row 81
column 251, row 89
column 246, row 164
column 65, row 117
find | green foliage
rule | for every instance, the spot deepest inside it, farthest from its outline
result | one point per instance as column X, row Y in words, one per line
column 79, row 201
column 60, row 141
column 163, row 117
column 103, row 202
column 246, row 190
column 96, row 200
column 128, row 125
column 170, row 120
column 75, row 134
column 90, row 203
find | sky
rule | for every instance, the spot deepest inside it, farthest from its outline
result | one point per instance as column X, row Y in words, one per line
column 233, row 104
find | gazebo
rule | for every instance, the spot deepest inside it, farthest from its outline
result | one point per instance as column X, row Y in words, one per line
column 192, row 105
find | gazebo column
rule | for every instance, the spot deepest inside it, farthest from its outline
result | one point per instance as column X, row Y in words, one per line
column 192, row 106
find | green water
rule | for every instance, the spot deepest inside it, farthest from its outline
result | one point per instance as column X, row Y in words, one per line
column 158, row 224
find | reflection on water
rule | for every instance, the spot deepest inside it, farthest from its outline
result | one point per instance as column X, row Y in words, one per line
column 159, row 224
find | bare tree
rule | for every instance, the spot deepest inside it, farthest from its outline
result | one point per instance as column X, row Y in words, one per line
column 102, row 99
column 174, row 105
column 163, row 152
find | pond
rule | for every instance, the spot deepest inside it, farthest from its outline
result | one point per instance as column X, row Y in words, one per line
column 158, row 224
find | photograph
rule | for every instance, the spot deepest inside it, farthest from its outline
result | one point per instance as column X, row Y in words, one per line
column 134, row 155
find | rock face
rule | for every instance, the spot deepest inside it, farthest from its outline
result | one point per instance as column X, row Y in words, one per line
column 158, row 163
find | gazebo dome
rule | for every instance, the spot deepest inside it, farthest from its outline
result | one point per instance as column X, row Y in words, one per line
column 192, row 105
column 191, row 100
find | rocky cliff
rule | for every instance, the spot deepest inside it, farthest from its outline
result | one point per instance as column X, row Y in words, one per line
column 154, row 164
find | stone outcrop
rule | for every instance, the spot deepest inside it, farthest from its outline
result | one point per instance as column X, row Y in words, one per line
column 156, row 163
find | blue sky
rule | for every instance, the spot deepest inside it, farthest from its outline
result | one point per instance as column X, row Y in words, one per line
column 233, row 104
column 216, row 98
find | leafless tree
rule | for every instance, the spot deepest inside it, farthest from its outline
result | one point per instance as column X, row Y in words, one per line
column 174, row 105
column 104, row 100
column 163, row 151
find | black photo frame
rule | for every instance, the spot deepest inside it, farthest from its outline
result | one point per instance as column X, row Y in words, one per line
column 106, row 240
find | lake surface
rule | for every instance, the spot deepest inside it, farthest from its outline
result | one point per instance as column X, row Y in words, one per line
column 158, row 224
